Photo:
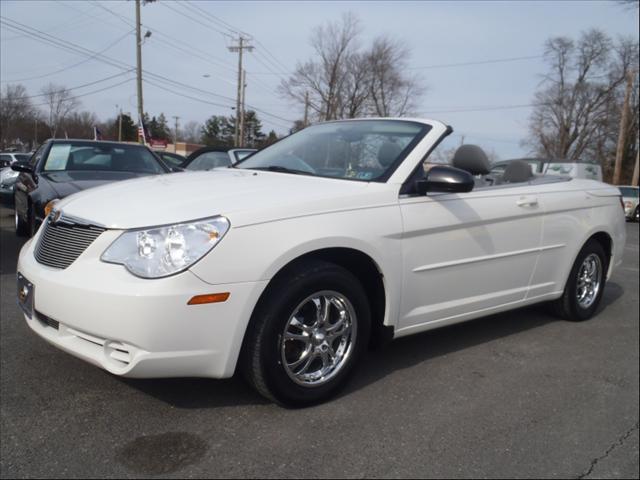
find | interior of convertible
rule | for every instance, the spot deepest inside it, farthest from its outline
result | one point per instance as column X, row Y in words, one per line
column 474, row 160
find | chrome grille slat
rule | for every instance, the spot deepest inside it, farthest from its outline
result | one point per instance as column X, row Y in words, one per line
column 61, row 243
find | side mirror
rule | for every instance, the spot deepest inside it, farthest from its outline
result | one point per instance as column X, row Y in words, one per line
column 445, row 179
column 22, row 167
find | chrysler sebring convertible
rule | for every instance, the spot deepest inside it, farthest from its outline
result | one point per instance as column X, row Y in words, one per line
column 287, row 266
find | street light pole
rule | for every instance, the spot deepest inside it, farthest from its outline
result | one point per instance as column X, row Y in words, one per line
column 139, row 62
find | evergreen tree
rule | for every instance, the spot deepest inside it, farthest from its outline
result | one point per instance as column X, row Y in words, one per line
column 252, row 129
column 211, row 131
column 268, row 140
column 129, row 129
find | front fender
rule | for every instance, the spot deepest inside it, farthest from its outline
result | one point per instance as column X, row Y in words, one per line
column 258, row 252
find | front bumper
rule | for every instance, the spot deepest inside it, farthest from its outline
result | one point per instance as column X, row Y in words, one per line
column 136, row 327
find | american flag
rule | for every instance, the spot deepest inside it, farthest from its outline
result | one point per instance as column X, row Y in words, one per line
column 143, row 133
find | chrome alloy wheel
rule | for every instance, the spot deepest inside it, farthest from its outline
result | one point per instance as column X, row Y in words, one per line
column 589, row 279
column 319, row 338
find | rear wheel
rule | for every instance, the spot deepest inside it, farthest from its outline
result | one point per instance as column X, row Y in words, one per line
column 307, row 334
column 585, row 286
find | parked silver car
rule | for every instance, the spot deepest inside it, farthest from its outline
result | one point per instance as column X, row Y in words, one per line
column 630, row 200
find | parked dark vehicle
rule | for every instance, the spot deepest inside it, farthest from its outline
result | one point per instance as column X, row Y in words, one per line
column 171, row 159
column 208, row 158
column 62, row 167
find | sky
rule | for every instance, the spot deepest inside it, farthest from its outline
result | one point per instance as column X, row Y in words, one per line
column 189, row 45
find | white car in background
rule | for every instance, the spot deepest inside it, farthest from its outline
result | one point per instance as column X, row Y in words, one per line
column 7, row 158
column 544, row 166
column 630, row 199
column 290, row 264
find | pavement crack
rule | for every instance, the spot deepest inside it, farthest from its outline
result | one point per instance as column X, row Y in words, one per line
column 612, row 447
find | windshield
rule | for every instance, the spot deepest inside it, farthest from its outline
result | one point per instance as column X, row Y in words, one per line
column 103, row 157
column 356, row 149
column 629, row 192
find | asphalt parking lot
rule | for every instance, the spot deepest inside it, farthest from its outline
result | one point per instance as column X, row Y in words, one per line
column 519, row 394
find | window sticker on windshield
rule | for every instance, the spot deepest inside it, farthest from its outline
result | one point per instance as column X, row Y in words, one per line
column 365, row 175
column 58, row 157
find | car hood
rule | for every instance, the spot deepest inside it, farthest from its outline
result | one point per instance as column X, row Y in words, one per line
column 66, row 183
column 244, row 196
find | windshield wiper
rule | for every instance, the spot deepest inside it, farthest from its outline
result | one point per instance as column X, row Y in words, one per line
column 278, row 168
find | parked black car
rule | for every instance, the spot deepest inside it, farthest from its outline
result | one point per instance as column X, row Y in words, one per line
column 62, row 167
column 207, row 158
column 171, row 159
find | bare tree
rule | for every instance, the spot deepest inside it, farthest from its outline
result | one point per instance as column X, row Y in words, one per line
column 80, row 125
column 324, row 78
column 391, row 92
column 60, row 103
column 572, row 116
column 346, row 81
column 191, row 132
column 16, row 115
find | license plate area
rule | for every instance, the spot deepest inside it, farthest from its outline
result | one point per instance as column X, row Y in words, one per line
column 26, row 291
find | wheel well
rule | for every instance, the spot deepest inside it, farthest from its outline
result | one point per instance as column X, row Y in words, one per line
column 365, row 269
column 606, row 242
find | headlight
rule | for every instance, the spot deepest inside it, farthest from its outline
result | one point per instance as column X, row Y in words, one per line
column 49, row 206
column 163, row 251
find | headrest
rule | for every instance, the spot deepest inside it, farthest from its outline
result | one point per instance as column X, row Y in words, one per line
column 472, row 159
column 388, row 153
column 517, row 171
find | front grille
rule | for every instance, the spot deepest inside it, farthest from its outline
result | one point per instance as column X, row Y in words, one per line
column 61, row 243
column 48, row 321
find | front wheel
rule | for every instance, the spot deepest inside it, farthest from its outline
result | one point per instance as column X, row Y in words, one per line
column 307, row 334
column 585, row 285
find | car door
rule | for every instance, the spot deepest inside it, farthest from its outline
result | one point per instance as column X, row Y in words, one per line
column 467, row 253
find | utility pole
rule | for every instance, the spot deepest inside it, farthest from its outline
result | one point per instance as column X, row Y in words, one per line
column 119, row 111
column 240, row 47
column 244, row 86
column 306, row 109
column 622, row 135
column 634, row 182
column 139, row 62
column 175, row 134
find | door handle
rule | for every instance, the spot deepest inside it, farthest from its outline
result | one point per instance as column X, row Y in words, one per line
column 528, row 201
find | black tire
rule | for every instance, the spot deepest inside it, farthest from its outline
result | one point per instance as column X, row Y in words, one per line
column 261, row 361
column 22, row 227
column 567, row 306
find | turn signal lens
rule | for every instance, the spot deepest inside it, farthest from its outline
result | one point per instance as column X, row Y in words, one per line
column 209, row 298
column 49, row 206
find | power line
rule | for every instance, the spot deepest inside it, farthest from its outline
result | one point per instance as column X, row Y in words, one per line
column 480, row 62
column 90, row 93
column 482, row 108
column 194, row 19
column 81, row 86
column 443, row 65
column 74, row 48
column 219, row 21
column 69, row 67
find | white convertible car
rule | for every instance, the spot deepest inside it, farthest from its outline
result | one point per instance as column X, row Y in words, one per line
column 287, row 266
